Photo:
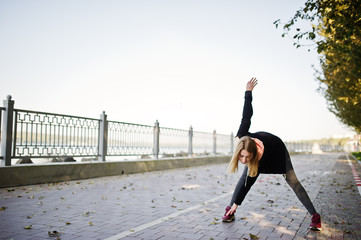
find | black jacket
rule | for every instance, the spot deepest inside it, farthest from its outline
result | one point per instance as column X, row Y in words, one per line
column 275, row 153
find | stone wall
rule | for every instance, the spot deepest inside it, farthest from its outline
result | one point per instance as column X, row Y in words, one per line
column 27, row 174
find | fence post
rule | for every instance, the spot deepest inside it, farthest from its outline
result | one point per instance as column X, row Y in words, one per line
column 156, row 139
column 214, row 142
column 6, row 135
column 190, row 141
column 103, row 137
column 232, row 142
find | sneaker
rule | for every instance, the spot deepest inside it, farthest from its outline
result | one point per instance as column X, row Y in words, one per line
column 316, row 222
column 228, row 218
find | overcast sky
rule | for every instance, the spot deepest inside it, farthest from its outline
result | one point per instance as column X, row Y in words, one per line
column 181, row 62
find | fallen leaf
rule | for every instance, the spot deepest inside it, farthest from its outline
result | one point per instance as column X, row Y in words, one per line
column 91, row 224
column 53, row 234
column 88, row 213
column 214, row 223
column 254, row 237
column 28, row 227
column 3, row 208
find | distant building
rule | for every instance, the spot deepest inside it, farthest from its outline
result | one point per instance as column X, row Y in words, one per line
column 353, row 144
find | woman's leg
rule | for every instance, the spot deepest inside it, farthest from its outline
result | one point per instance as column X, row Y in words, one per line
column 297, row 187
column 243, row 186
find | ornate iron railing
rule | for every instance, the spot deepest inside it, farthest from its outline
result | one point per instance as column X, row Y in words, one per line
column 173, row 141
column 225, row 143
column 203, row 143
column 128, row 139
column 34, row 134
column 49, row 135
column 41, row 134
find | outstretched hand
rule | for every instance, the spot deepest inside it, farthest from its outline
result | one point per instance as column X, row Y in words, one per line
column 233, row 209
column 251, row 84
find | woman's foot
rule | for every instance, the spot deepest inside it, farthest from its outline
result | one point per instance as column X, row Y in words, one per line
column 316, row 222
column 228, row 218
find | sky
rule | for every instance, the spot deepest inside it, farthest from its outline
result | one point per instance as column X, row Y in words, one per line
column 181, row 62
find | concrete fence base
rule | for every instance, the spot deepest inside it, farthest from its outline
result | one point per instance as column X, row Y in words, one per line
column 28, row 174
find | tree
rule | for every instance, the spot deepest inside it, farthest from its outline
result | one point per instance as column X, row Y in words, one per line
column 335, row 31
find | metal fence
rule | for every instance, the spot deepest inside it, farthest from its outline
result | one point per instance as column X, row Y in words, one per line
column 35, row 134
column 48, row 135
column 126, row 139
column 175, row 142
column 39, row 134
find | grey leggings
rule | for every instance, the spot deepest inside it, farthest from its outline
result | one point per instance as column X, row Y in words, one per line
column 245, row 183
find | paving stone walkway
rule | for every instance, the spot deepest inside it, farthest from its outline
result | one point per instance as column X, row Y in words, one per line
column 187, row 203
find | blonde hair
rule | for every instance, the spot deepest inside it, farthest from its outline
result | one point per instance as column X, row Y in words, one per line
column 248, row 144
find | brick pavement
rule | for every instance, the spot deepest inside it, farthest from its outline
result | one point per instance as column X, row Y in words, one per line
column 186, row 204
column 339, row 203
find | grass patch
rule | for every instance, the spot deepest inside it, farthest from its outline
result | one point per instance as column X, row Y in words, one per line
column 357, row 155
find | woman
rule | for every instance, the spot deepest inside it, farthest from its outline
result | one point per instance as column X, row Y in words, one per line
column 262, row 152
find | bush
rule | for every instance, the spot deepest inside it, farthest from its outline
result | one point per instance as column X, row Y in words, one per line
column 357, row 155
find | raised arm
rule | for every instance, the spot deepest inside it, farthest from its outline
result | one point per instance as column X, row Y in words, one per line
column 247, row 109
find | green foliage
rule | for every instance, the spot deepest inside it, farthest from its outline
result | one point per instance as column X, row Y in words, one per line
column 336, row 34
column 357, row 155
